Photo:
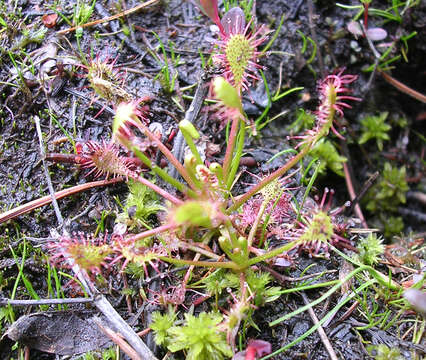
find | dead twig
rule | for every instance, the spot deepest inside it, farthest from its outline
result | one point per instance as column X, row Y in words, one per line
column 103, row 305
column 354, row 205
column 402, row 87
column 320, row 329
column 348, row 172
column 116, row 338
column 123, row 328
column 5, row 301
column 115, row 28
column 25, row 208
column 364, row 189
column 46, row 173
column 109, row 18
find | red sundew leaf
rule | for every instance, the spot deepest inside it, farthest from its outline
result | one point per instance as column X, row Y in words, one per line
column 210, row 9
column 234, row 21
column 259, row 347
column 49, row 20
column 417, row 300
column 376, row 34
column 354, row 28
column 255, row 350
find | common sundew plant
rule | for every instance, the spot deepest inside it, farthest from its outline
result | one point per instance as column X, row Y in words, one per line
column 206, row 224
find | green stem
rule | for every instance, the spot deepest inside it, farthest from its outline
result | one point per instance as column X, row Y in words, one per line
column 320, row 299
column 230, row 147
column 308, row 287
column 235, row 163
column 190, row 142
column 152, row 232
column 175, row 183
column 197, row 249
column 276, row 174
column 161, row 173
column 169, row 155
column 272, row 253
column 322, row 321
column 381, row 278
column 211, row 264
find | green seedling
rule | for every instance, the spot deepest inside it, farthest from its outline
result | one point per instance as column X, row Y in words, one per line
column 383, row 352
column 375, row 127
column 167, row 75
column 369, row 249
column 305, row 40
column 328, row 156
column 140, row 205
column 200, row 337
column 260, row 122
column 386, row 196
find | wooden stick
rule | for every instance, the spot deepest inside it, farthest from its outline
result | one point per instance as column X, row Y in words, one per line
column 23, row 209
column 403, row 88
column 110, row 18
column 320, row 330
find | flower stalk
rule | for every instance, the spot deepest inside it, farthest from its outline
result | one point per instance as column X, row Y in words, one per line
column 331, row 101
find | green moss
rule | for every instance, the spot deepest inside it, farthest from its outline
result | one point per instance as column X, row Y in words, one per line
column 329, row 158
column 141, row 203
column 384, row 198
column 200, row 337
column 370, row 248
column 382, row 352
column 375, row 127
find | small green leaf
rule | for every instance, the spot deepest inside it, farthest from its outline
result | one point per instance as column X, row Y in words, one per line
column 226, row 93
column 200, row 337
column 196, row 213
column 374, row 127
column 190, row 129
column 161, row 323
column 326, row 152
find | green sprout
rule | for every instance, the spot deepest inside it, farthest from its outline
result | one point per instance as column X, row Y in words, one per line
column 375, row 127
column 390, row 191
column 161, row 324
column 386, row 196
column 200, row 337
column 141, row 203
column 326, row 152
column 370, row 248
column 383, row 352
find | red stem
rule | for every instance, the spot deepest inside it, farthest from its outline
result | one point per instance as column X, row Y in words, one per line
column 169, row 155
column 230, row 148
column 156, row 188
column 23, row 209
column 402, row 87
column 281, row 171
column 366, row 15
column 152, row 232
